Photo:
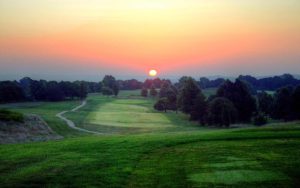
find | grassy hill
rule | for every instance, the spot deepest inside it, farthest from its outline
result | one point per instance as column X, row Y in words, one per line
column 168, row 150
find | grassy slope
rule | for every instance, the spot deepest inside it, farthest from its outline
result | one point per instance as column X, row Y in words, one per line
column 47, row 110
column 267, row 156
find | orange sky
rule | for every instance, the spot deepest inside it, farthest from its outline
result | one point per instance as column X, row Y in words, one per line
column 129, row 37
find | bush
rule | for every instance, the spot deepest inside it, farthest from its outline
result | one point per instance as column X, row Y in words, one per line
column 260, row 119
column 6, row 115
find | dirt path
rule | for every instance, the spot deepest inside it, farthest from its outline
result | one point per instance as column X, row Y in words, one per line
column 70, row 123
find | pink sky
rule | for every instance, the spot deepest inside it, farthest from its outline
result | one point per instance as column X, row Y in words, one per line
column 75, row 39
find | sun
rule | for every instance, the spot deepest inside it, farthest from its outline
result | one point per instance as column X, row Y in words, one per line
column 152, row 72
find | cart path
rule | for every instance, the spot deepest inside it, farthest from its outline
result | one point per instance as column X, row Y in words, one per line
column 70, row 123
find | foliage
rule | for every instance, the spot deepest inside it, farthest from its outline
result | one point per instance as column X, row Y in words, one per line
column 157, row 83
column 222, row 112
column 187, row 95
column 239, row 94
column 132, row 84
column 107, row 91
column 200, row 109
column 282, row 108
column 296, row 102
column 206, row 83
column 161, row 104
column 265, row 102
column 153, row 91
column 7, row 115
column 144, row 92
column 110, row 82
column 11, row 92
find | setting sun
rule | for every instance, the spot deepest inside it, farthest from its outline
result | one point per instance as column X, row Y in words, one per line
column 152, row 72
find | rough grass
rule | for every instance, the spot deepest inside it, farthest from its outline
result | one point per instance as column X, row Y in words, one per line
column 47, row 110
column 7, row 115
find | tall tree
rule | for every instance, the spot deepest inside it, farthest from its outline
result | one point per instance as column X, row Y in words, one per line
column 187, row 95
column 296, row 102
column 222, row 112
column 282, row 108
column 107, row 91
column 144, row 92
column 153, row 91
column 110, row 82
column 200, row 109
column 239, row 94
column 265, row 102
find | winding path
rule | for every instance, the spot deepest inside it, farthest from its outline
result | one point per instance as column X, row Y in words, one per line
column 70, row 123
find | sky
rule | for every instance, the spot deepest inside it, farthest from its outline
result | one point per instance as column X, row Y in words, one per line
column 79, row 39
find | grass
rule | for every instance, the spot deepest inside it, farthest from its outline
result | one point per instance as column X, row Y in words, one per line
column 128, row 115
column 6, row 115
column 235, row 158
column 47, row 110
column 169, row 151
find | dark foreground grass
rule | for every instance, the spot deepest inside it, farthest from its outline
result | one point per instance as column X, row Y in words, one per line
column 7, row 115
column 256, row 157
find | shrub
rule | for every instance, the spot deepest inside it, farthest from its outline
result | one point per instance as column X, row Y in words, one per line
column 6, row 115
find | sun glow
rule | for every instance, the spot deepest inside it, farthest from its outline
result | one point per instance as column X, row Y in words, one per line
column 152, row 72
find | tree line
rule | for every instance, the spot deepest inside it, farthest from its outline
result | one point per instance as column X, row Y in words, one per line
column 232, row 103
column 268, row 83
column 28, row 89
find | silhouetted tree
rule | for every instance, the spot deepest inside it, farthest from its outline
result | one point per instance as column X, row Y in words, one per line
column 83, row 90
column 296, row 102
column 164, row 89
column 238, row 93
column 144, row 92
column 282, row 108
column 199, row 110
column 153, row 91
column 110, row 81
column 25, row 83
column 222, row 112
column 187, row 95
column 54, row 92
column 161, row 104
column 11, row 92
column 265, row 102
column 107, row 91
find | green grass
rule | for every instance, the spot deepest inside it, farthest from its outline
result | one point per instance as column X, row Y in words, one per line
column 47, row 110
column 169, row 151
column 236, row 158
column 127, row 116
column 7, row 115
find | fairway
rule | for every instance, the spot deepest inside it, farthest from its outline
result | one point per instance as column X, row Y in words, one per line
column 126, row 115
